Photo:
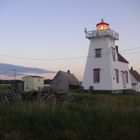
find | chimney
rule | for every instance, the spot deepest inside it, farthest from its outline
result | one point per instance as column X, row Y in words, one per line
column 131, row 68
column 117, row 49
column 68, row 71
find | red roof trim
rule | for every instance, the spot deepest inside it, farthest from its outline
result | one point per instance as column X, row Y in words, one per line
column 33, row 76
column 101, row 23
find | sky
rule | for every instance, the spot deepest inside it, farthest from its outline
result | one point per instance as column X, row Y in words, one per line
column 42, row 33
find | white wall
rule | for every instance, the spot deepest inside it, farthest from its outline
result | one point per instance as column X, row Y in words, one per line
column 138, row 87
column 38, row 83
column 106, row 64
column 135, row 83
column 103, row 63
column 121, row 67
column 33, row 83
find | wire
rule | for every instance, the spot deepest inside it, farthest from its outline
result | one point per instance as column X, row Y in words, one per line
column 132, row 52
column 43, row 59
column 68, row 58
column 130, row 49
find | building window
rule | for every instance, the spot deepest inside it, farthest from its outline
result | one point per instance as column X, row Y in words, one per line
column 126, row 76
column 98, row 53
column 113, row 54
column 123, row 79
column 117, row 75
column 96, row 76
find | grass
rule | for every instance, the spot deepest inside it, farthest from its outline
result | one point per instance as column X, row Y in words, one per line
column 5, row 88
column 98, row 117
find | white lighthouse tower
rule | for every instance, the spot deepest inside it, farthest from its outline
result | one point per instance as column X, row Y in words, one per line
column 105, row 68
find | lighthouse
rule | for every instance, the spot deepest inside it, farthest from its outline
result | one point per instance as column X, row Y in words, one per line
column 106, row 68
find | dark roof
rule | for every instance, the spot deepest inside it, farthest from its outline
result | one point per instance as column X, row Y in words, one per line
column 47, row 81
column 122, row 59
column 135, row 74
column 70, row 77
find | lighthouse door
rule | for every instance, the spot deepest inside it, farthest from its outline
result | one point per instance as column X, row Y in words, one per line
column 123, row 79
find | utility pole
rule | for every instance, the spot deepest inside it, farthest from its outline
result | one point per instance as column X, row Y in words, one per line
column 14, row 74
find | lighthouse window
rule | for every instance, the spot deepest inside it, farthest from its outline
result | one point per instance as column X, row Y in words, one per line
column 126, row 76
column 113, row 54
column 96, row 75
column 117, row 75
column 98, row 53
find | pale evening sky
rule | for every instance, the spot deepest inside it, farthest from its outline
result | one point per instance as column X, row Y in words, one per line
column 54, row 29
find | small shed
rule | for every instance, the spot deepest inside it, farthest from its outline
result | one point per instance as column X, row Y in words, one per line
column 65, row 81
column 17, row 85
column 32, row 83
column 135, row 79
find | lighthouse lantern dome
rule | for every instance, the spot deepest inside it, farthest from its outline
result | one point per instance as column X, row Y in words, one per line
column 102, row 25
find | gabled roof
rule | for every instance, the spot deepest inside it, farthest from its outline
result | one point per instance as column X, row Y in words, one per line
column 70, row 77
column 135, row 74
column 122, row 59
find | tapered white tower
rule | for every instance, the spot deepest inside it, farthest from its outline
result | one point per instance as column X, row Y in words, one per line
column 105, row 68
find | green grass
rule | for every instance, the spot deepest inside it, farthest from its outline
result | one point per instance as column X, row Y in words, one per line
column 5, row 88
column 89, row 117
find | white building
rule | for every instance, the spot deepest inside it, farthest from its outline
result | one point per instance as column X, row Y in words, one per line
column 105, row 68
column 135, row 80
column 33, row 83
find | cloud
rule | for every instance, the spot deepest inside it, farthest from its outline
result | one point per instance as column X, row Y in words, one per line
column 9, row 69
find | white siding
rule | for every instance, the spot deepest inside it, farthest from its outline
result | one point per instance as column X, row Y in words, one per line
column 135, row 83
column 121, row 67
column 33, row 83
column 106, row 65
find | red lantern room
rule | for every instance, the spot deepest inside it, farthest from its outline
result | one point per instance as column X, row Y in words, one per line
column 102, row 25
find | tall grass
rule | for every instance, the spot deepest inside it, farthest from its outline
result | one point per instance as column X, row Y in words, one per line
column 99, row 117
